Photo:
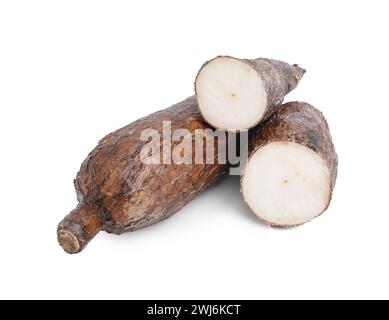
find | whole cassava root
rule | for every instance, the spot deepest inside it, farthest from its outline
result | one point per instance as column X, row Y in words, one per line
column 292, row 165
column 118, row 192
column 236, row 94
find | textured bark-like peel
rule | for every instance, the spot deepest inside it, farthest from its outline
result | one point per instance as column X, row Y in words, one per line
column 236, row 94
column 294, row 123
column 117, row 192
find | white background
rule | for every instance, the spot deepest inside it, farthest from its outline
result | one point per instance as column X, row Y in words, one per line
column 73, row 71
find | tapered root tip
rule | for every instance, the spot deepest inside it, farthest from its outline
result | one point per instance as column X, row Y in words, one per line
column 79, row 227
column 299, row 71
column 68, row 241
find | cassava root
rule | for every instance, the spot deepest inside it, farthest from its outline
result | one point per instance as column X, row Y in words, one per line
column 292, row 166
column 118, row 192
column 236, row 94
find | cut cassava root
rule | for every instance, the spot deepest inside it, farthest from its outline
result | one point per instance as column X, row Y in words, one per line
column 118, row 192
column 236, row 94
column 291, row 168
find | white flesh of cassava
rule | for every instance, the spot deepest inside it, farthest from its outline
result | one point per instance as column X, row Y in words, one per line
column 286, row 184
column 231, row 94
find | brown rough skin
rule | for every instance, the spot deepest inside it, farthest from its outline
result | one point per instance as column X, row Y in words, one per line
column 279, row 78
column 117, row 192
column 302, row 123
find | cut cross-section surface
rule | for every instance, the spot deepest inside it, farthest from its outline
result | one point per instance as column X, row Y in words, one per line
column 231, row 94
column 286, row 183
